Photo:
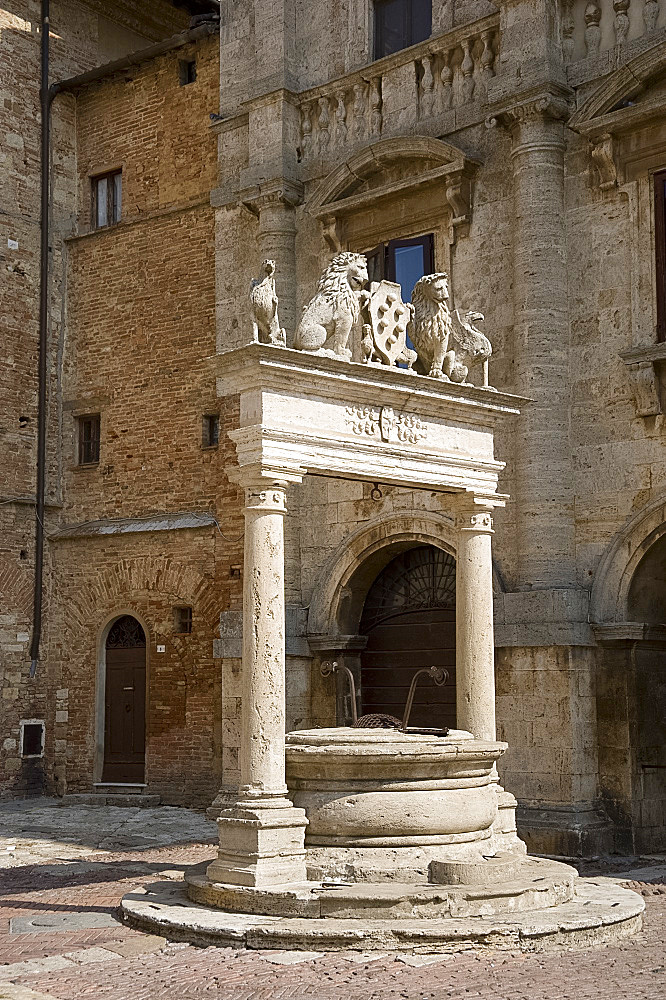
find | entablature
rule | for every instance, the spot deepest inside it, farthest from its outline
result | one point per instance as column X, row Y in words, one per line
column 303, row 414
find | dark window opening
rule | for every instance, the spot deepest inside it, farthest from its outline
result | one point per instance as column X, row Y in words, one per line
column 182, row 620
column 211, row 430
column 33, row 739
column 660, row 250
column 400, row 23
column 404, row 261
column 188, row 71
column 89, row 436
column 107, row 191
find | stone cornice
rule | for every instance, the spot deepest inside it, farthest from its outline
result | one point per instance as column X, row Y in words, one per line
column 622, row 633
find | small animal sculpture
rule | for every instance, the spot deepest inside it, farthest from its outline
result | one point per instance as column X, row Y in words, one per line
column 471, row 346
column 328, row 318
column 447, row 344
column 264, row 301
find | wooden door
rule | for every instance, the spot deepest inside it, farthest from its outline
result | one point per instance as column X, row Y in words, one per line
column 409, row 619
column 125, row 703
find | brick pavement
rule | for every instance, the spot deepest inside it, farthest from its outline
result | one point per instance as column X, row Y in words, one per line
column 117, row 963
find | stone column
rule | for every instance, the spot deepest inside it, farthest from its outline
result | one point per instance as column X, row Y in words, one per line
column 262, row 835
column 475, row 652
column 543, row 491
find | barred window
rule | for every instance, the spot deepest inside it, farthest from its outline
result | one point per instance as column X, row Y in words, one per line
column 89, row 437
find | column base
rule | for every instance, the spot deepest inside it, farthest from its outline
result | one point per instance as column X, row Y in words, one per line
column 261, row 844
column 566, row 831
column 504, row 833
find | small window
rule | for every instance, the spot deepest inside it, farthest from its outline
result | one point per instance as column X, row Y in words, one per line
column 400, row 23
column 660, row 250
column 107, row 191
column 188, row 71
column 32, row 739
column 89, row 435
column 182, row 620
column 404, row 261
column 211, row 431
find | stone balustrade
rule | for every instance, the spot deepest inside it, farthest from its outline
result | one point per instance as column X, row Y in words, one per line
column 446, row 72
column 591, row 27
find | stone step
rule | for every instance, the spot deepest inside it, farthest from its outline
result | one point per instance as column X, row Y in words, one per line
column 536, row 884
column 128, row 800
column 600, row 913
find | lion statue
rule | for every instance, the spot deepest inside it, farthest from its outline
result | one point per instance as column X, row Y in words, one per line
column 446, row 343
column 329, row 317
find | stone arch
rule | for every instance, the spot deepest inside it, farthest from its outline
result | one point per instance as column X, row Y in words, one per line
column 343, row 582
column 612, row 580
column 390, row 168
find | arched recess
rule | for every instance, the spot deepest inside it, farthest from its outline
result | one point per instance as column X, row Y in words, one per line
column 612, row 580
column 340, row 590
column 628, row 607
column 390, row 170
column 121, row 699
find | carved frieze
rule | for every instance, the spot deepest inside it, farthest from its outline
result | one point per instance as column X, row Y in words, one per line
column 385, row 423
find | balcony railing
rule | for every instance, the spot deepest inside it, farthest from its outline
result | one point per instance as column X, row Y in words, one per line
column 435, row 76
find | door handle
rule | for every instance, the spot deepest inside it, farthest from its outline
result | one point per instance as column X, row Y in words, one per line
column 128, row 689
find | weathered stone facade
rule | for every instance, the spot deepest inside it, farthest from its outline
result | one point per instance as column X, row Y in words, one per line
column 524, row 137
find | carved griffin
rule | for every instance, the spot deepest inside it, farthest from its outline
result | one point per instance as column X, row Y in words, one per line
column 264, row 301
column 447, row 344
column 329, row 317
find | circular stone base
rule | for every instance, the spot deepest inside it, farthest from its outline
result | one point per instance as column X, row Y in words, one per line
column 533, row 884
column 599, row 913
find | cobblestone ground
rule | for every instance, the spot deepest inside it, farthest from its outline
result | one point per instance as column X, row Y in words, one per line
column 59, row 939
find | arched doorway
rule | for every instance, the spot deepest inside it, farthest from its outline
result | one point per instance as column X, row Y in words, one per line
column 646, row 604
column 409, row 619
column 125, row 702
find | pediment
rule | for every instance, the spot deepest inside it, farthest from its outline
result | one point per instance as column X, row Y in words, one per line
column 390, row 167
column 628, row 98
column 624, row 119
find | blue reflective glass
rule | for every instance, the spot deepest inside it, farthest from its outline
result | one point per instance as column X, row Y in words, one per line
column 409, row 267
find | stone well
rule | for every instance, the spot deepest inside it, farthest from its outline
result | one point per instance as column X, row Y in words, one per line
column 382, row 803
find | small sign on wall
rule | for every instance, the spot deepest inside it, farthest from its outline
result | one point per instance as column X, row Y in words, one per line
column 161, row 649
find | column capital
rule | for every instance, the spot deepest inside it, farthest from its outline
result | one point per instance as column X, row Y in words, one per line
column 267, row 497
column 278, row 193
column 551, row 102
column 474, row 513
